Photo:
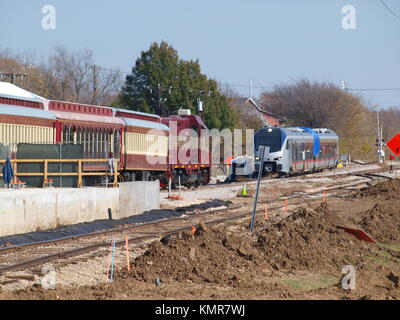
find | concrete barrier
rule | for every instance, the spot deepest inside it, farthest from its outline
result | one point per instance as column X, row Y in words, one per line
column 28, row 210
column 138, row 196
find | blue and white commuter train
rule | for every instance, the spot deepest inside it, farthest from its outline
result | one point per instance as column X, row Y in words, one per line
column 295, row 150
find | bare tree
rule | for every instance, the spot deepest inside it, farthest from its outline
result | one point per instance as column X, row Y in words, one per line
column 73, row 71
column 64, row 75
column 390, row 120
column 108, row 85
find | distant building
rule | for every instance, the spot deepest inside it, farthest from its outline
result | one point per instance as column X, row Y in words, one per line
column 250, row 107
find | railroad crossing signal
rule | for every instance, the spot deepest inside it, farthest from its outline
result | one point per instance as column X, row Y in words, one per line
column 394, row 144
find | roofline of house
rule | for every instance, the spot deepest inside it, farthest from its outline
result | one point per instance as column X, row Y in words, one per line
column 261, row 110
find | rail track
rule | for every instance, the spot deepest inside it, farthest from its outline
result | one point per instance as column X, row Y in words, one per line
column 331, row 174
column 64, row 250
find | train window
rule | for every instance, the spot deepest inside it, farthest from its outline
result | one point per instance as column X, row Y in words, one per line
column 96, row 143
column 91, row 143
column 72, row 135
column 65, row 134
column 268, row 137
column 116, row 144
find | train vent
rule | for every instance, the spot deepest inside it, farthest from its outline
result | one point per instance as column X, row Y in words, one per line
column 184, row 112
column 322, row 130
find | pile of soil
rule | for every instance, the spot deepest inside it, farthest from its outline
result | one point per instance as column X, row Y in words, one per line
column 388, row 190
column 307, row 239
column 382, row 222
column 211, row 255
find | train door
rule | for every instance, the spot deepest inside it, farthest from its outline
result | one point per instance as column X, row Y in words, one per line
column 116, row 144
column 287, row 157
column 303, row 155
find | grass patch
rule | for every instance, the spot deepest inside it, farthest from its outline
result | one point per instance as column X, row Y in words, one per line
column 395, row 247
column 308, row 283
column 384, row 257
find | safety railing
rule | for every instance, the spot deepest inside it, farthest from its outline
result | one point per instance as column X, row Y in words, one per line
column 46, row 174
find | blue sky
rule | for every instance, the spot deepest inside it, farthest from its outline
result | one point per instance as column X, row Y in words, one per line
column 273, row 41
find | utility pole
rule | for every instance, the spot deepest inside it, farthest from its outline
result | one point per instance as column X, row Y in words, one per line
column 94, row 97
column 200, row 99
column 200, row 107
column 345, row 86
column 13, row 76
column 250, row 88
column 379, row 140
column 160, row 109
column 159, row 98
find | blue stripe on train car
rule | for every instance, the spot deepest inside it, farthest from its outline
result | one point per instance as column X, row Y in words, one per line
column 317, row 141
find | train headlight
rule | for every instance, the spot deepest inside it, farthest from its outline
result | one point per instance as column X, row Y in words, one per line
column 279, row 158
column 257, row 158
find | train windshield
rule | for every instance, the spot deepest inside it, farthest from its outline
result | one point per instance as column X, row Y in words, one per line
column 270, row 137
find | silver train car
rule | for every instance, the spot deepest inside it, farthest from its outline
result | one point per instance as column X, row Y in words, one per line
column 295, row 150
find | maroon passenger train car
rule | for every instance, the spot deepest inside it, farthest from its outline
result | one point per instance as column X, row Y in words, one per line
column 191, row 170
column 139, row 140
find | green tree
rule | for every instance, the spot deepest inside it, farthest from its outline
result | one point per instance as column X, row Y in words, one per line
column 162, row 83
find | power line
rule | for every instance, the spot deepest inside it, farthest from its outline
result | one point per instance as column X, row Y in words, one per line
column 349, row 89
column 113, row 70
column 388, row 9
column 245, row 85
column 376, row 89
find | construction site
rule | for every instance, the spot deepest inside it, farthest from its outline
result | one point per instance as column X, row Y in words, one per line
column 180, row 154
column 307, row 229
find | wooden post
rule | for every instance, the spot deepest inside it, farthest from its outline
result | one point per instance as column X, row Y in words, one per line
column 45, row 172
column 128, row 265
column 285, row 206
column 80, row 173
column 115, row 173
column 15, row 171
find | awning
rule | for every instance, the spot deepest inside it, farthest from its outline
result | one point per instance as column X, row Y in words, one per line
column 145, row 124
column 82, row 120
column 25, row 112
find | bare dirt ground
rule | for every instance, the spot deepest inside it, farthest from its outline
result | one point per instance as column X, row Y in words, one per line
column 299, row 257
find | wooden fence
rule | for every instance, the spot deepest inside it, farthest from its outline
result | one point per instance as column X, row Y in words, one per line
column 45, row 174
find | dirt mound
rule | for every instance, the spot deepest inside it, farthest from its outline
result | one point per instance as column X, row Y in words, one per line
column 388, row 190
column 308, row 239
column 210, row 255
column 382, row 222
